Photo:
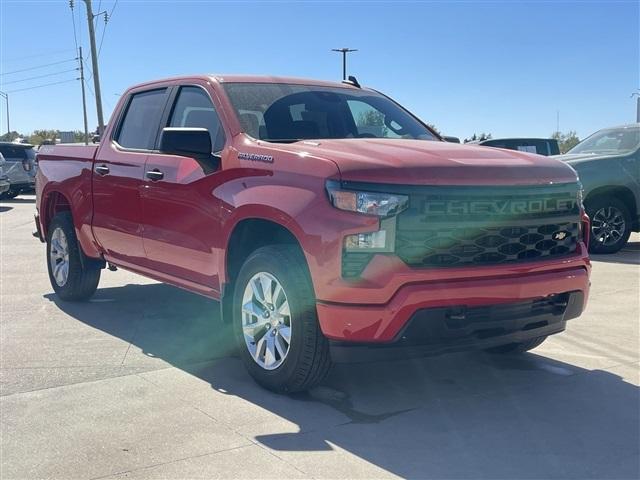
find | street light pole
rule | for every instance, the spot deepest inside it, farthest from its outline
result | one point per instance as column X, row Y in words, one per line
column 344, row 52
column 6, row 98
column 94, row 63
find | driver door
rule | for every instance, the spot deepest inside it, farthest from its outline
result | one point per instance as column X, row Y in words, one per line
column 181, row 214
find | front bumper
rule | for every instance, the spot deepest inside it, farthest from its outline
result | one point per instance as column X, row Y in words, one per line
column 384, row 324
column 435, row 331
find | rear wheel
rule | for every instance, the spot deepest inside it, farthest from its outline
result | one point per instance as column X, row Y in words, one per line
column 515, row 348
column 73, row 276
column 275, row 321
column 610, row 224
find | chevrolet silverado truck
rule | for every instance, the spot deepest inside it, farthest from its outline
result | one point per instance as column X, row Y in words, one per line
column 329, row 222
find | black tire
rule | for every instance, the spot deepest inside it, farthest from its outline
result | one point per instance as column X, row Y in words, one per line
column 9, row 194
column 84, row 275
column 516, row 348
column 598, row 204
column 307, row 361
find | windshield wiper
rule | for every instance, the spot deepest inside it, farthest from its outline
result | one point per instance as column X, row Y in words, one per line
column 282, row 140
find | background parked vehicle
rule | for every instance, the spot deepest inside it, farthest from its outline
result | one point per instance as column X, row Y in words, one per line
column 4, row 180
column 608, row 164
column 541, row 146
column 20, row 167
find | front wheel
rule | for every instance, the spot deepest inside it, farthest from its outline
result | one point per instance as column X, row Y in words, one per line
column 275, row 321
column 72, row 276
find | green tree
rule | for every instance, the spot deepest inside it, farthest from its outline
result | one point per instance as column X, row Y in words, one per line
column 566, row 141
column 39, row 136
column 11, row 136
column 79, row 136
column 372, row 118
column 481, row 137
column 434, row 128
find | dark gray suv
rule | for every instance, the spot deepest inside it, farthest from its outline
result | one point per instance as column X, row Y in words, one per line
column 608, row 163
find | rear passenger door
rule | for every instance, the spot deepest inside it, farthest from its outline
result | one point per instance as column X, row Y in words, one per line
column 118, row 175
column 180, row 211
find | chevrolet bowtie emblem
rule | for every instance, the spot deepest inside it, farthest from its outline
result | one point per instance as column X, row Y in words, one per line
column 559, row 235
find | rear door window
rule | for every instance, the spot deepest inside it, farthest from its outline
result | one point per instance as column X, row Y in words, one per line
column 139, row 127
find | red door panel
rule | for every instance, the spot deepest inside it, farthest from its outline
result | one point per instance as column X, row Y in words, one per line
column 117, row 222
column 182, row 219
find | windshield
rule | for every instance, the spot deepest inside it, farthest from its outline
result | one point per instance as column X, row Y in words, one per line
column 280, row 112
column 611, row 141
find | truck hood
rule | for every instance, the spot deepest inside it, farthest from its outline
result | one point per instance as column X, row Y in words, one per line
column 422, row 162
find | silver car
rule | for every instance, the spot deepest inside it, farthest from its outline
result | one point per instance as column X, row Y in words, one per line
column 20, row 167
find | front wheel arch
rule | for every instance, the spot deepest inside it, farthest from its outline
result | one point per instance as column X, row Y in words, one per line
column 247, row 236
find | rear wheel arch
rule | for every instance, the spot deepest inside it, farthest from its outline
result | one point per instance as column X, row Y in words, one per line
column 54, row 203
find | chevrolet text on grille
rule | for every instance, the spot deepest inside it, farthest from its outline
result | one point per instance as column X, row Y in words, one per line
column 489, row 207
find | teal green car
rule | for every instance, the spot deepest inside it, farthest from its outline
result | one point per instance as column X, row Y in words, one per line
column 608, row 164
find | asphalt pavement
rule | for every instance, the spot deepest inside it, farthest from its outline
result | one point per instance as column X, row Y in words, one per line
column 142, row 382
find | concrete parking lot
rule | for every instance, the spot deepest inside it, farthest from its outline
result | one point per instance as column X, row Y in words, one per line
column 141, row 382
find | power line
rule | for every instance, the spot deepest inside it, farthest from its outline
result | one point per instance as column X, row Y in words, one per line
column 73, row 20
column 43, row 85
column 40, row 76
column 105, row 26
column 39, row 66
column 27, row 57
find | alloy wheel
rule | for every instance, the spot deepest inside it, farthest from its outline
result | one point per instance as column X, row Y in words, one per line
column 59, row 257
column 266, row 321
column 608, row 226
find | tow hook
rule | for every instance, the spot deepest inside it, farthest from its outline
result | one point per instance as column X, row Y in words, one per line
column 112, row 267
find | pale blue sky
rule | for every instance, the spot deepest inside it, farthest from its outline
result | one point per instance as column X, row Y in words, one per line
column 500, row 67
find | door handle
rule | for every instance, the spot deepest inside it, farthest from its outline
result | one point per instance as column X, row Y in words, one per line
column 155, row 175
column 102, row 170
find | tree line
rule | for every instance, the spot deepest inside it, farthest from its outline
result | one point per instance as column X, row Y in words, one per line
column 38, row 137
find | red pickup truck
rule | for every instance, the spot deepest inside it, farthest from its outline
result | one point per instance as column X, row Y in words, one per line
column 326, row 218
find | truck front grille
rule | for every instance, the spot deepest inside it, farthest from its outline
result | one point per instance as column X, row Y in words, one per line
column 449, row 227
column 456, row 246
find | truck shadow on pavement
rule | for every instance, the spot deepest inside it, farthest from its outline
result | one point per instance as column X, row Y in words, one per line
column 465, row 415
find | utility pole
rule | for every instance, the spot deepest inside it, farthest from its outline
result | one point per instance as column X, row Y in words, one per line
column 94, row 64
column 6, row 98
column 344, row 52
column 84, row 98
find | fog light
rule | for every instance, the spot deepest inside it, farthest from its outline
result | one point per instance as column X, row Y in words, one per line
column 366, row 241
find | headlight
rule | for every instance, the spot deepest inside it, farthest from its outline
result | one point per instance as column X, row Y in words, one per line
column 370, row 203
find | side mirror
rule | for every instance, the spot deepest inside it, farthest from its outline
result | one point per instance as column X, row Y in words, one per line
column 188, row 142
column 26, row 164
column 451, row 139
